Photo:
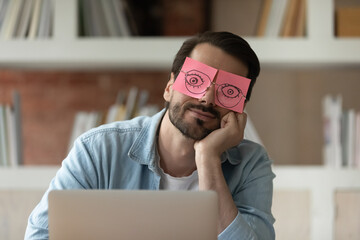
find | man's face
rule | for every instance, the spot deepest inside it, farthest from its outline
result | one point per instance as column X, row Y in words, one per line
column 195, row 79
column 196, row 118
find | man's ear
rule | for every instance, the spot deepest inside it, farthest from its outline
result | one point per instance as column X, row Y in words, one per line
column 168, row 88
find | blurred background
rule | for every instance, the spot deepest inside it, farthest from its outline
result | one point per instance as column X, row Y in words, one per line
column 69, row 65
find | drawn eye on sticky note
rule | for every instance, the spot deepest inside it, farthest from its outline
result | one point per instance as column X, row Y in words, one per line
column 231, row 90
column 194, row 78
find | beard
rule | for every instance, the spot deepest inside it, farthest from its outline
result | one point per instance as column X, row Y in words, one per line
column 193, row 131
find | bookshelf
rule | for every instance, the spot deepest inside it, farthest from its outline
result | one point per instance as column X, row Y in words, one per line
column 320, row 49
column 65, row 50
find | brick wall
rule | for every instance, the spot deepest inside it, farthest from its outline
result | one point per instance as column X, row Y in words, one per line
column 50, row 100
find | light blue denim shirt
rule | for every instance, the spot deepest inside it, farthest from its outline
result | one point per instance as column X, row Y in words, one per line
column 123, row 155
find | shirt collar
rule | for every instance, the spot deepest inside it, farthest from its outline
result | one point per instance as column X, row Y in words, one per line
column 144, row 150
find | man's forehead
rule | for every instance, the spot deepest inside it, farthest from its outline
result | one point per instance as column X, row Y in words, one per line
column 192, row 64
column 214, row 56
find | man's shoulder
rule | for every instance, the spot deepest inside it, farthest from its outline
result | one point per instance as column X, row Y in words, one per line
column 251, row 146
column 245, row 151
column 127, row 128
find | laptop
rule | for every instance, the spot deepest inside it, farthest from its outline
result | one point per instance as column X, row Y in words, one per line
column 132, row 214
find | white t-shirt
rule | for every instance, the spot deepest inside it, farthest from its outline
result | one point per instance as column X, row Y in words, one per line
column 189, row 183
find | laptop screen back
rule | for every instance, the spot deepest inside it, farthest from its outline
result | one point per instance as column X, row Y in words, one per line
column 123, row 214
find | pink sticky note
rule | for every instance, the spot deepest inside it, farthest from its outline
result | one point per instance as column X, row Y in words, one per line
column 194, row 78
column 231, row 90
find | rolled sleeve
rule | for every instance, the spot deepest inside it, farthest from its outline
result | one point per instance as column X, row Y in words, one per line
column 237, row 228
column 250, row 179
column 245, row 227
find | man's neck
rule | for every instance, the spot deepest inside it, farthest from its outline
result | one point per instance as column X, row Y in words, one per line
column 177, row 154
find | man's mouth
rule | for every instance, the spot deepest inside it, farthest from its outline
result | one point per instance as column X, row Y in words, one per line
column 203, row 113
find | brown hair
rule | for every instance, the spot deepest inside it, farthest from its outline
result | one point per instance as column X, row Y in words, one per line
column 228, row 42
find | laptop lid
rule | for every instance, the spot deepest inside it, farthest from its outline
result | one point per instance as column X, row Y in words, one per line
column 126, row 214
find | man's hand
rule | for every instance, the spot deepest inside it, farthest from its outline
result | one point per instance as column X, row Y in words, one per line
column 230, row 133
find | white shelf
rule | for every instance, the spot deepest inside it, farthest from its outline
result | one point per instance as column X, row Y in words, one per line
column 66, row 51
column 287, row 177
column 157, row 53
column 321, row 182
column 26, row 178
column 122, row 53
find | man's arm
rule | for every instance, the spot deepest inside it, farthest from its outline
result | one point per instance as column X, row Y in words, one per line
column 211, row 178
column 232, row 218
column 75, row 173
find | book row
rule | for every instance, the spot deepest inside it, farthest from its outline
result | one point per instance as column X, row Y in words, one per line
column 105, row 18
column 282, row 18
column 341, row 134
column 26, row 19
column 127, row 105
column 11, row 133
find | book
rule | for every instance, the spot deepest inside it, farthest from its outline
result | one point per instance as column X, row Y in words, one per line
column 3, row 9
column 78, row 127
column 134, row 105
column 264, row 16
column 83, row 122
column 275, row 18
column 11, row 134
column 109, row 16
column 131, row 19
column 45, row 20
column 143, row 98
column 86, row 19
column 97, row 19
column 347, row 22
column 35, row 18
column 24, row 20
column 357, row 141
column 131, row 103
column 148, row 110
column 91, row 121
column 100, row 17
column 300, row 28
column 8, row 144
column 18, row 127
column 121, row 21
column 3, row 137
column 11, row 17
column 289, row 20
column 351, row 139
column 348, row 138
column 113, row 111
column 332, row 150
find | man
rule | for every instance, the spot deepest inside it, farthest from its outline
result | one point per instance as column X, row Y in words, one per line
column 193, row 144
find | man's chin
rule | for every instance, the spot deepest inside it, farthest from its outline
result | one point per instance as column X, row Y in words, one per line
column 196, row 137
column 190, row 127
column 195, row 133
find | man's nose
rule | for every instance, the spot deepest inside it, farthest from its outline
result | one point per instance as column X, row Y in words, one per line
column 209, row 97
